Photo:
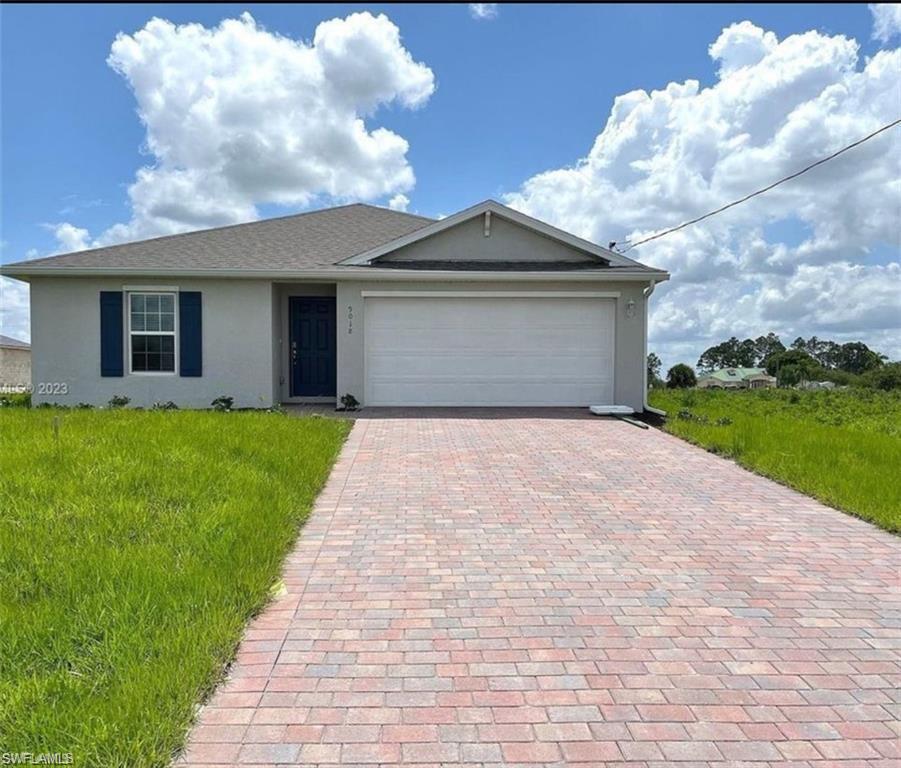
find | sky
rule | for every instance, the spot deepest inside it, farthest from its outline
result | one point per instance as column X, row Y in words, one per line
column 122, row 122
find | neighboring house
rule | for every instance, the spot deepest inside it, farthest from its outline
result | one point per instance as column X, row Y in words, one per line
column 485, row 307
column 15, row 365
column 737, row 378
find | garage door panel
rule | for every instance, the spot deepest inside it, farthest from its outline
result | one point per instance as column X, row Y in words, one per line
column 431, row 341
column 499, row 313
column 488, row 351
column 468, row 365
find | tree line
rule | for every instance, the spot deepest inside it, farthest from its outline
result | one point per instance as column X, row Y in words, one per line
column 810, row 359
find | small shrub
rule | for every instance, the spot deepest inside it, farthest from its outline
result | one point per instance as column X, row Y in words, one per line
column 223, row 403
column 164, row 406
column 118, row 401
column 687, row 415
column 84, row 406
column 723, row 421
column 349, row 402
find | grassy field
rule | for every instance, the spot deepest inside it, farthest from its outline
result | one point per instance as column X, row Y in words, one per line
column 842, row 447
column 134, row 546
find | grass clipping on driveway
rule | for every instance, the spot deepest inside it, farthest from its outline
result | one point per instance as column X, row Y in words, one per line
column 841, row 447
column 133, row 549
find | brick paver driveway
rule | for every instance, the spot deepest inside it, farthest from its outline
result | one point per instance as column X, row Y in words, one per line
column 564, row 591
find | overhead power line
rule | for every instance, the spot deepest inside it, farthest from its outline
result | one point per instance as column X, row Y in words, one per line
column 630, row 246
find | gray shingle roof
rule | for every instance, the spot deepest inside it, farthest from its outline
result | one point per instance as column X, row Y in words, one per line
column 10, row 343
column 310, row 240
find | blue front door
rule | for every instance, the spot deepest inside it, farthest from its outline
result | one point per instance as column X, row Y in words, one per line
column 313, row 331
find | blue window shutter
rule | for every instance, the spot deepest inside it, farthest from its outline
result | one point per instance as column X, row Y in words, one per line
column 111, row 335
column 190, row 329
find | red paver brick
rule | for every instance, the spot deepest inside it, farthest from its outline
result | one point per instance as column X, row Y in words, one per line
column 403, row 733
column 430, row 753
column 666, row 713
column 370, row 753
column 543, row 586
column 845, row 750
column 679, row 751
column 350, row 734
column 312, row 754
column 511, row 732
column 269, row 753
column 749, row 750
column 521, row 752
column 562, row 732
column 590, row 751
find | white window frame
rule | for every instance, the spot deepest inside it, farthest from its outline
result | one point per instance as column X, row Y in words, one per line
column 173, row 332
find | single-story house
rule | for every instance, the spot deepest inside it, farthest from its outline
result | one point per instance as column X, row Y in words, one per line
column 15, row 365
column 737, row 378
column 487, row 307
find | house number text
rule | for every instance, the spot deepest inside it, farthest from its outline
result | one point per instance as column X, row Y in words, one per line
column 350, row 319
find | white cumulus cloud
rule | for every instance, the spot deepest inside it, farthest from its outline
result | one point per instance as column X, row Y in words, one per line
column 237, row 116
column 817, row 255
column 483, row 11
column 886, row 20
column 69, row 237
column 399, row 202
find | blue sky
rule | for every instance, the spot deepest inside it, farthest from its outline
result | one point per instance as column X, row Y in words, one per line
column 514, row 96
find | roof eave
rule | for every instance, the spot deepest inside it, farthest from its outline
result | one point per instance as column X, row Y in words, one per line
column 24, row 271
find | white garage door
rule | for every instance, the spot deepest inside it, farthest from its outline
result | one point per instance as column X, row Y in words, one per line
column 465, row 350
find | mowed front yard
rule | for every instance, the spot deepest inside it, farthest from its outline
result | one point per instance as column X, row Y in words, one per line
column 841, row 447
column 134, row 546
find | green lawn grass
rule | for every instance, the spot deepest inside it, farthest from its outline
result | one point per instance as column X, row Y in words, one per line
column 133, row 550
column 841, row 447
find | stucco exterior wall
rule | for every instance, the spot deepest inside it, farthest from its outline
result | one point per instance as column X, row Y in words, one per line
column 630, row 325
column 245, row 338
column 237, row 344
column 507, row 242
column 15, row 369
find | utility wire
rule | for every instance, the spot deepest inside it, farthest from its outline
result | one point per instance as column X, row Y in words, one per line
column 630, row 246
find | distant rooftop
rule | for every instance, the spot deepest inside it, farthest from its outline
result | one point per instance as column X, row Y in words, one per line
column 9, row 342
column 734, row 374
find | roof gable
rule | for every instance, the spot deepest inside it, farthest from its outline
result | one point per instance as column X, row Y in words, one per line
column 489, row 211
column 495, row 241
